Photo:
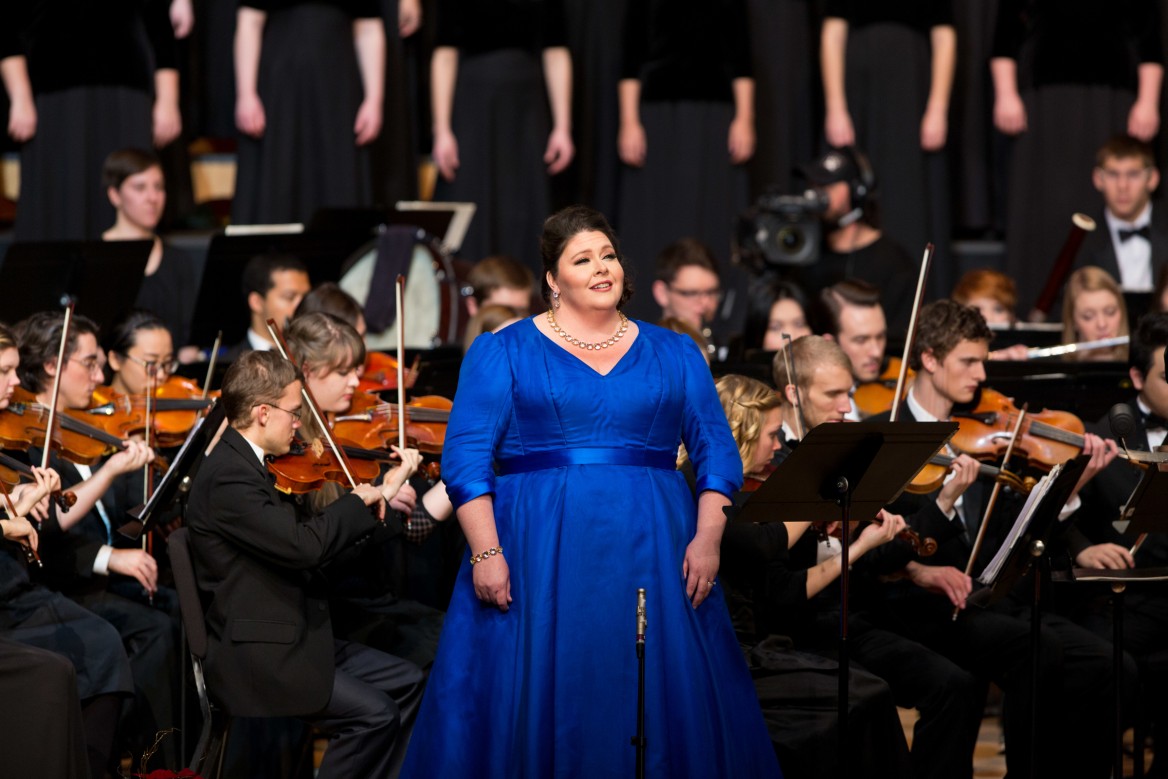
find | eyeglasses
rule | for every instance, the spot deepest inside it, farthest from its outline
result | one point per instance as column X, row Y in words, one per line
column 163, row 366
column 689, row 294
column 1125, row 175
column 295, row 414
column 90, row 364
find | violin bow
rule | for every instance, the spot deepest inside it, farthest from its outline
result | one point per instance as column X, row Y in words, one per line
column 211, row 364
column 800, row 420
column 148, row 468
column 56, row 386
column 989, row 510
column 29, row 553
column 399, row 289
column 926, row 261
column 306, row 394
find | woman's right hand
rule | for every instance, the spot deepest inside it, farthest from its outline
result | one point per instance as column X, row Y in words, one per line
column 445, row 154
column 492, row 581
column 249, row 115
column 1010, row 114
column 631, row 144
column 838, row 128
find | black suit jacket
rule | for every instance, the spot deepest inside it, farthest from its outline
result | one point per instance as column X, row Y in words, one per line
column 1098, row 249
column 1105, row 495
column 271, row 640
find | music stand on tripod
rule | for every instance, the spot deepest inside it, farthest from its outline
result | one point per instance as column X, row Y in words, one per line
column 837, row 470
column 1023, row 548
column 1145, row 513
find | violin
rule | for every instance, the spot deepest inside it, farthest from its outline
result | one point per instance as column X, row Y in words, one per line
column 306, row 469
column 932, row 476
column 875, row 397
column 23, row 424
column 922, row 547
column 380, row 374
column 12, row 471
column 373, row 424
column 1046, row 438
column 175, row 408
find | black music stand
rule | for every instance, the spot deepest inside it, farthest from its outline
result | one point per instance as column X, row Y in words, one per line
column 176, row 481
column 221, row 305
column 838, row 469
column 1029, row 549
column 101, row 277
column 1145, row 510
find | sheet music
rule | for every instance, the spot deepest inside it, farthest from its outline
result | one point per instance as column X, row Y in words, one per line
column 1033, row 500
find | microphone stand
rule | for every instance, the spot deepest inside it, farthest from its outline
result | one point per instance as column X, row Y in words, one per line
column 638, row 740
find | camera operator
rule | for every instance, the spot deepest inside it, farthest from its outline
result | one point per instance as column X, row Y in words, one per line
column 853, row 244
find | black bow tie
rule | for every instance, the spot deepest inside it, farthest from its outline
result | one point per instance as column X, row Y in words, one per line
column 1154, row 421
column 1144, row 232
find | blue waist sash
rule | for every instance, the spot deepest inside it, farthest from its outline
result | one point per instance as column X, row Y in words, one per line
column 559, row 458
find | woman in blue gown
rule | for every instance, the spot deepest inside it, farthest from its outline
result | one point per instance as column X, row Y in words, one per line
column 560, row 459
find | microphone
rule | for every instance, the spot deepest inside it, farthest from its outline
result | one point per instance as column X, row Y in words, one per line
column 641, row 621
column 1122, row 419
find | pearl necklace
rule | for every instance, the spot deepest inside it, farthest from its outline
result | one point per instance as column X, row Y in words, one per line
column 620, row 332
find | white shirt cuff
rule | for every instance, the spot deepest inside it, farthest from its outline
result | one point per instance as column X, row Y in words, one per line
column 101, row 562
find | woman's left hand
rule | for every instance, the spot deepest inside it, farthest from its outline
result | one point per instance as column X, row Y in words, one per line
column 700, row 570
column 167, row 122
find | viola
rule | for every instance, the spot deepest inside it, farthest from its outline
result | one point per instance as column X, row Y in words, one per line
column 1046, row 438
column 875, row 397
column 932, row 476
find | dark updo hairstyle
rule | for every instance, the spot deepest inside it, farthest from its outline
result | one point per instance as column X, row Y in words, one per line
column 564, row 225
column 124, row 335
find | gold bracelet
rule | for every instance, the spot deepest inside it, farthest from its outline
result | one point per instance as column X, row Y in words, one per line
column 494, row 550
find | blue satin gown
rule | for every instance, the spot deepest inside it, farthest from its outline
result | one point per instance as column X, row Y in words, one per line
column 589, row 507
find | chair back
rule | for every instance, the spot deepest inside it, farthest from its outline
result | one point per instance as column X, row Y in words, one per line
column 190, row 603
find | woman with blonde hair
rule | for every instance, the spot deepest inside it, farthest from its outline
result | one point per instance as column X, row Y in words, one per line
column 1093, row 309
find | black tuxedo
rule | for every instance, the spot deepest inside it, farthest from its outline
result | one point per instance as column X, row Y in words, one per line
column 271, row 648
column 1098, row 248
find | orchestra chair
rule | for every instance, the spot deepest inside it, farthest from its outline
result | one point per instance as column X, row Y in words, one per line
column 207, row 760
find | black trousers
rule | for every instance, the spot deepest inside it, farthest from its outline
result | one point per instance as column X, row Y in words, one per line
column 371, row 713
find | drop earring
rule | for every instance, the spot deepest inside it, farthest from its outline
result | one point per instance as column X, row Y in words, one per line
column 556, row 300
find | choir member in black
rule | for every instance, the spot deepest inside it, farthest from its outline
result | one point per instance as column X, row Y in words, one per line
column 686, row 130
column 137, row 190
column 855, row 244
column 1131, row 237
column 97, row 576
column 491, row 118
column 104, row 78
column 1075, row 681
column 782, row 49
column 267, row 614
column 309, row 85
column 273, row 286
column 37, row 617
column 394, row 155
column 771, row 601
column 896, row 107
column 1094, row 542
column 1068, row 74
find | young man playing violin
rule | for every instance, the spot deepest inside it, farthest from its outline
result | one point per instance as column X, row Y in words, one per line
column 949, row 352
column 272, row 651
column 948, row 697
column 80, row 557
